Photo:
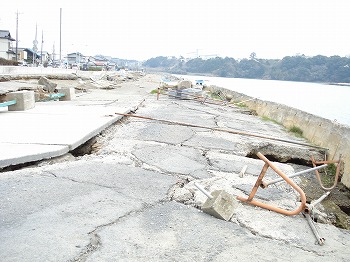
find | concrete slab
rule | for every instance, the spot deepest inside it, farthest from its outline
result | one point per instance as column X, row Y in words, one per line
column 6, row 87
column 54, row 123
column 56, row 127
column 14, row 154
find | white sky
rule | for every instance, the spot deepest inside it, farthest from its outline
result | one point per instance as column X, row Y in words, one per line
column 141, row 29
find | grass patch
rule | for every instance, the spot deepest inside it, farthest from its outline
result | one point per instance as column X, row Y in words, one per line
column 329, row 175
column 296, row 131
column 240, row 104
column 154, row 91
column 215, row 96
column 265, row 118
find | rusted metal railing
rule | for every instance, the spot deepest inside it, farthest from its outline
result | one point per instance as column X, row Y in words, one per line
column 338, row 162
column 258, row 183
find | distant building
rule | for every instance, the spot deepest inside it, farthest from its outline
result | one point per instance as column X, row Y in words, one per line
column 75, row 58
column 6, row 48
column 31, row 55
column 22, row 54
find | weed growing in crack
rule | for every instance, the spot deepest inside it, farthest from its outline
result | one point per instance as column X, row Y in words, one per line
column 296, row 131
column 265, row 118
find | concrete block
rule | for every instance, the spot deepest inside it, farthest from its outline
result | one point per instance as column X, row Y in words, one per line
column 48, row 85
column 69, row 93
column 24, row 100
column 221, row 206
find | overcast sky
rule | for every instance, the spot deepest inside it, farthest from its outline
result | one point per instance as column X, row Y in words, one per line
column 141, row 29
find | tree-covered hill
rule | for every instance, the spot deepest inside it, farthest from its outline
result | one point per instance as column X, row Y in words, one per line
column 334, row 69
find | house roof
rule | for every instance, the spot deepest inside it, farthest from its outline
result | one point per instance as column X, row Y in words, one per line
column 75, row 54
column 6, row 34
column 29, row 50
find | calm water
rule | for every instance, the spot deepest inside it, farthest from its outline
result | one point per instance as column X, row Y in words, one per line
column 327, row 101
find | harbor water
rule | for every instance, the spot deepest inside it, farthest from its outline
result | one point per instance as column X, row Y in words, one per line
column 327, row 101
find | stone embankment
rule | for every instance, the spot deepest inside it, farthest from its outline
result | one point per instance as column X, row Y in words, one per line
column 317, row 130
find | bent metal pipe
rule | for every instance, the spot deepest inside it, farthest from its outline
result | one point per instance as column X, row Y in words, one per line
column 258, row 182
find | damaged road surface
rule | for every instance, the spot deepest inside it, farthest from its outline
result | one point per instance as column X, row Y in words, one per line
column 134, row 199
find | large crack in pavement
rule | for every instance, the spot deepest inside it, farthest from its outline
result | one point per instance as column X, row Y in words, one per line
column 95, row 240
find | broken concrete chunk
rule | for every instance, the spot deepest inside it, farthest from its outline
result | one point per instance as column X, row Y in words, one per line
column 222, row 205
column 49, row 86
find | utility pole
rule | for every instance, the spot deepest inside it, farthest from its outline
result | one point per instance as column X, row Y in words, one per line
column 53, row 53
column 35, row 44
column 42, row 43
column 17, row 35
column 60, row 36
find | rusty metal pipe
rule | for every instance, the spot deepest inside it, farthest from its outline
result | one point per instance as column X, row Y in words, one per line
column 272, row 208
column 258, row 182
column 302, row 206
column 338, row 162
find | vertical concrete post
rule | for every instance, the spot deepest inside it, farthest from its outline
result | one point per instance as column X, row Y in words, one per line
column 69, row 93
column 24, row 100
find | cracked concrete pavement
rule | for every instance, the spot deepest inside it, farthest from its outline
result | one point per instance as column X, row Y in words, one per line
column 134, row 199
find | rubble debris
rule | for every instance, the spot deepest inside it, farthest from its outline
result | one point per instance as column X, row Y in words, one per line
column 49, row 86
column 219, row 204
column 188, row 93
column 184, row 84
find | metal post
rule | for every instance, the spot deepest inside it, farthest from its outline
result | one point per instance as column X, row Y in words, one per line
column 202, row 189
column 320, row 239
column 17, row 37
column 60, row 36
column 266, row 184
column 316, row 202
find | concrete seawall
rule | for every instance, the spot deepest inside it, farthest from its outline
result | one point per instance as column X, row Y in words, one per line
column 318, row 130
column 25, row 70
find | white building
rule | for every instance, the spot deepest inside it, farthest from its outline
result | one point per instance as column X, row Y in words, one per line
column 6, row 48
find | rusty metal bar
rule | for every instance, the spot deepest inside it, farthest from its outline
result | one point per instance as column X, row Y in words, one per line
column 258, row 182
column 249, row 200
column 338, row 162
column 221, row 130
